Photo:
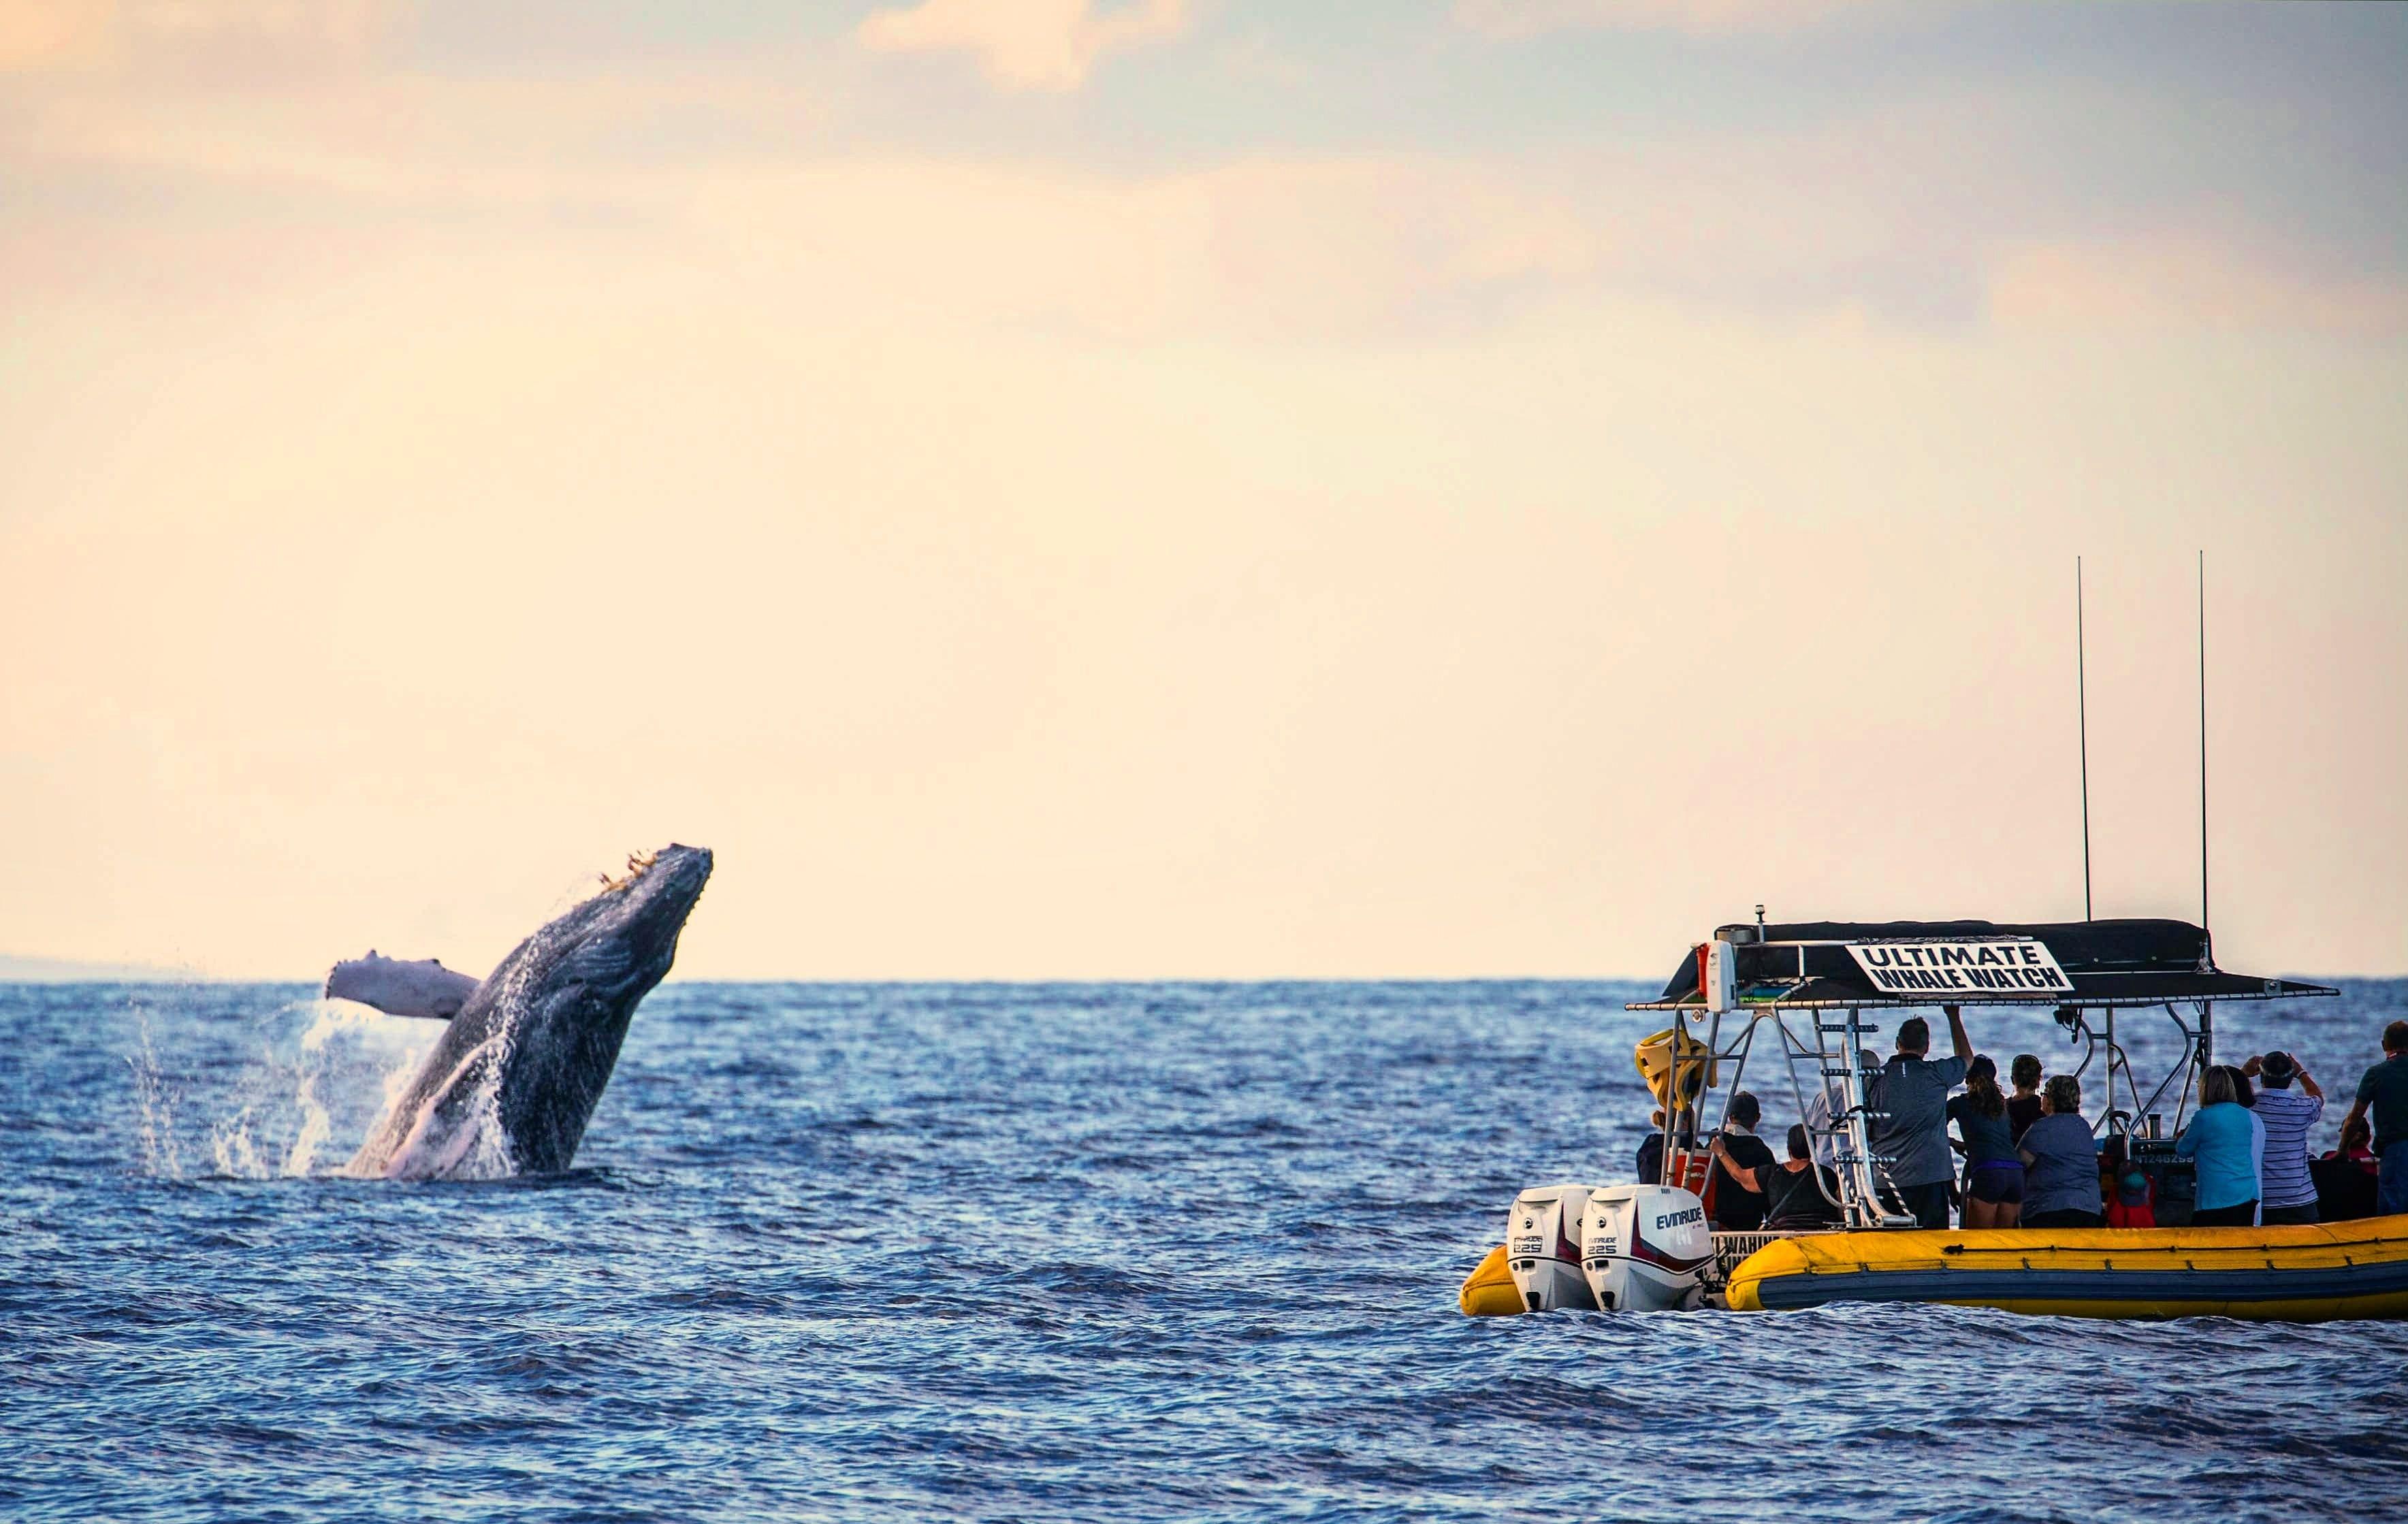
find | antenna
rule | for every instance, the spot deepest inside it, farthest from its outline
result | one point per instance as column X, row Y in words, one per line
column 2202, row 740
column 2081, row 717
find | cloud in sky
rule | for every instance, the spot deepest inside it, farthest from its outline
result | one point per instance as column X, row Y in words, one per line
column 1983, row 206
column 244, row 37
column 1036, row 45
column 1699, row 18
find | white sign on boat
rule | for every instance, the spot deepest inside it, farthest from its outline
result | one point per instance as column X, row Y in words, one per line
column 2007, row 966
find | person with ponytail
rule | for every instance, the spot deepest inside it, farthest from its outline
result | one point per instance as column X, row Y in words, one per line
column 1993, row 1177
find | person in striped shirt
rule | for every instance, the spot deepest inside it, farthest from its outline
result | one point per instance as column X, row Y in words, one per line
column 2286, row 1191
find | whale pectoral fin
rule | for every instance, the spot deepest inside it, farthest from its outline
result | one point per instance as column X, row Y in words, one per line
column 398, row 986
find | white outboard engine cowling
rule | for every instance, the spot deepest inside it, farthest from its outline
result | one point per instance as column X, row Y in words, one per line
column 1542, row 1248
column 1644, row 1248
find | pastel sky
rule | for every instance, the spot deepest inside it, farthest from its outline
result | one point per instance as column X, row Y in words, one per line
column 1193, row 487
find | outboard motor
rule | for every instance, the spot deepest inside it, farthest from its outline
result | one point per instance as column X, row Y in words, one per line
column 1643, row 1248
column 1542, row 1248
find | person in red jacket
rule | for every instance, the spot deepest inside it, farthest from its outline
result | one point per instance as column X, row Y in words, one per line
column 2124, row 1186
column 2345, row 1176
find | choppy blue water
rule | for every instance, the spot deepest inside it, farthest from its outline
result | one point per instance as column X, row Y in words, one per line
column 1076, row 1252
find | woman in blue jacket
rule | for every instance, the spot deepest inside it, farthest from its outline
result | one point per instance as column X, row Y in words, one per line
column 2223, row 1143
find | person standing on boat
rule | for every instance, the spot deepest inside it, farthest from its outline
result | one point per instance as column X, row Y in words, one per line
column 1993, row 1177
column 1910, row 1094
column 2022, row 1107
column 2061, row 1163
column 2384, row 1091
column 2289, row 1193
column 2222, row 1144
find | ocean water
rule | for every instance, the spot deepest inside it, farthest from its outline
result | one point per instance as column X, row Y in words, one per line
column 1082, row 1252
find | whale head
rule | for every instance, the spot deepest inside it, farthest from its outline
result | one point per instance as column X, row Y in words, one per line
column 623, row 940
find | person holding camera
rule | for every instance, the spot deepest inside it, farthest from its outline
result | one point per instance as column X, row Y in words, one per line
column 2290, row 1191
column 1910, row 1095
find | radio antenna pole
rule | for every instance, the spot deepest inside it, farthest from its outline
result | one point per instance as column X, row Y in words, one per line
column 2082, row 718
column 2202, row 741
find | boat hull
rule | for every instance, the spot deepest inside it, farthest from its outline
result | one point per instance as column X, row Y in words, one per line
column 2311, row 1273
column 1489, row 1291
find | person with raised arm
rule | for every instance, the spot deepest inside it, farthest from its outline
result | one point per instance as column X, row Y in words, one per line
column 2290, row 1189
column 1910, row 1096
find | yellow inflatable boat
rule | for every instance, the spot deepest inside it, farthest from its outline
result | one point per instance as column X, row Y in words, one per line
column 2315, row 1274
column 2310, row 1273
column 1795, row 998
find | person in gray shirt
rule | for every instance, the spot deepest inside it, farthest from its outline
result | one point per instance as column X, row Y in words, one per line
column 1910, row 1098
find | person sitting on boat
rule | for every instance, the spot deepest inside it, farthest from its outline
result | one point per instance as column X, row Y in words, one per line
column 2289, row 1193
column 1793, row 1201
column 1735, row 1184
column 1993, row 1177
column 2223, row 1144
column 2345, row 1176
column 2124, row 1186
column 1910, row 1094
column 2384, row 1094
column 2060, row 1162
column 2022, row 1107
column 1651, row 1150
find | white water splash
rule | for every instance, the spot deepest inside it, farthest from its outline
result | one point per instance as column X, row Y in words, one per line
column 458, row 1132
column 316, row 1127
column 295, row 1102
column 230, row 1146
column 156, row 1102
column 341, row 1024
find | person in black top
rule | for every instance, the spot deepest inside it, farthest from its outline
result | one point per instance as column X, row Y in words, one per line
column 1735, row 1182
column 2022, row 1107
column 1792, row 1201
column 1651, row 1151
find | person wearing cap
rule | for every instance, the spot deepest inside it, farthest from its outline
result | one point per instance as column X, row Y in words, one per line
column 2384, row 1092
column 2290, row 1189
column 1909, row 1099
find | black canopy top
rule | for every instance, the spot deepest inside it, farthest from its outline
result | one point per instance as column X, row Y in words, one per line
column 1973, row 962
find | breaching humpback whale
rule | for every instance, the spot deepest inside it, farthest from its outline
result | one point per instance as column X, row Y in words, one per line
column 512, row 1082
